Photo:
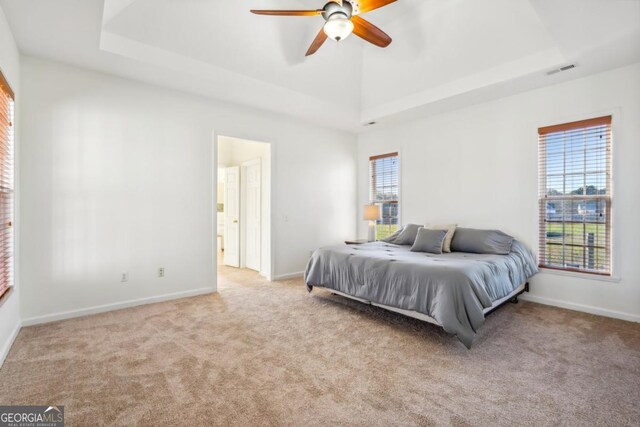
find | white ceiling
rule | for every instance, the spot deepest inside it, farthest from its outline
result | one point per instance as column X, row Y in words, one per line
column 445, row 54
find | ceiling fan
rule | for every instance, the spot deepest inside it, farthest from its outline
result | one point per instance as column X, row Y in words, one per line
column 342, row 18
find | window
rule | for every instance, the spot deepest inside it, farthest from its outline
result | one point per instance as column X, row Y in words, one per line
column 383, row 190
column 575, row 196
column 6, row 186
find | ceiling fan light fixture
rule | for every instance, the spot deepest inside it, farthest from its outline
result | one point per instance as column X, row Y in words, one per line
column 338, row 27
column 342, row 17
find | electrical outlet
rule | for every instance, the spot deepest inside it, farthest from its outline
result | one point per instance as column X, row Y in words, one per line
column 161, row 272
column 125, row 277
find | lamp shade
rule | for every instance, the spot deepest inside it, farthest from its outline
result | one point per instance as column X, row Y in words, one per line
column 371, row 212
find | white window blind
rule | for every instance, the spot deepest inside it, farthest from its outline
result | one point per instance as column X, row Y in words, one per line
column 6, row 186
column 575, row 196
column 383, row 190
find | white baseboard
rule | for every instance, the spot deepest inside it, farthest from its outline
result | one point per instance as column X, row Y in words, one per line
column 115, row 306
column 7, row 345
column 289, row 276
column 580, row 307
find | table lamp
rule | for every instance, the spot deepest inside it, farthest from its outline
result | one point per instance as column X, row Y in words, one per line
column 371, row 214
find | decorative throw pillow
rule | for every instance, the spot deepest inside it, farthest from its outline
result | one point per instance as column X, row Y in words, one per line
column 429, row 241
column 451, row 229
column 481, row 241
column 393, row 237
column 406, row 236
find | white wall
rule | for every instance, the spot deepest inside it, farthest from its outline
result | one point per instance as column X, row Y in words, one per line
column 10, row 305
column 234, row 152
column 478, row 167
column 118, row 176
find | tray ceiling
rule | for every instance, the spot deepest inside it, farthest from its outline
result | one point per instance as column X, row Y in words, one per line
column 445, row 54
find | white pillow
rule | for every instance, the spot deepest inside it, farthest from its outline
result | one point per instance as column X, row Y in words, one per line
column 451, row 229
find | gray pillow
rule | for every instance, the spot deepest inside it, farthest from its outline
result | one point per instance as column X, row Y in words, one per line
column 393, row 237
column 481, row 241
column 407, row 236
column 429, row 241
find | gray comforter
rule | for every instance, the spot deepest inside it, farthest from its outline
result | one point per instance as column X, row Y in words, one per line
column 452, row 288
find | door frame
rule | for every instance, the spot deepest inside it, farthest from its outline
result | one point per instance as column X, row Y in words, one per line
column 271, row 273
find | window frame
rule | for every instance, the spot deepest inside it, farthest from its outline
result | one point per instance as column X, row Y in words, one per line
column 614, row 260
column 5, row 90
column 398, row 201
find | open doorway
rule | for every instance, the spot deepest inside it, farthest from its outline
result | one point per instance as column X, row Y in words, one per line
column 244, row 205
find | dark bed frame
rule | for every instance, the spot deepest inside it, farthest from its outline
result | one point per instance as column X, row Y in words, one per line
column 512, row 300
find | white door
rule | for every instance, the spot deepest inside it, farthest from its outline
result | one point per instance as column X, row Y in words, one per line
column 232, row 216
column 253, row 177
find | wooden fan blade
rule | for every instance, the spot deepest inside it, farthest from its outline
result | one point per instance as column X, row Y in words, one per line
column 364, row 6
column 317, row 42
column 369, row 32
column 287, row 12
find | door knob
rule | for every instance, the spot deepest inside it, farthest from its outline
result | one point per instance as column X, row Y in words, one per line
column 235, row 221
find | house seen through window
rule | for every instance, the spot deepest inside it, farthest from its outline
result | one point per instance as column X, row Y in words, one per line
column 575, row 196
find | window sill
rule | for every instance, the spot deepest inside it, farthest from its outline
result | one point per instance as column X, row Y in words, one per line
column 5, row 295
column 587, row 276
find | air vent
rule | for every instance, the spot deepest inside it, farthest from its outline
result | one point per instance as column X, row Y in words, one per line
column 558, row 70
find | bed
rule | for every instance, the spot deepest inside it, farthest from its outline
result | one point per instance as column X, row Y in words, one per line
column 453, row 290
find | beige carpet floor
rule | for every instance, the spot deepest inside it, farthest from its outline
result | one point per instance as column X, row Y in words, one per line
column 260, row 353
